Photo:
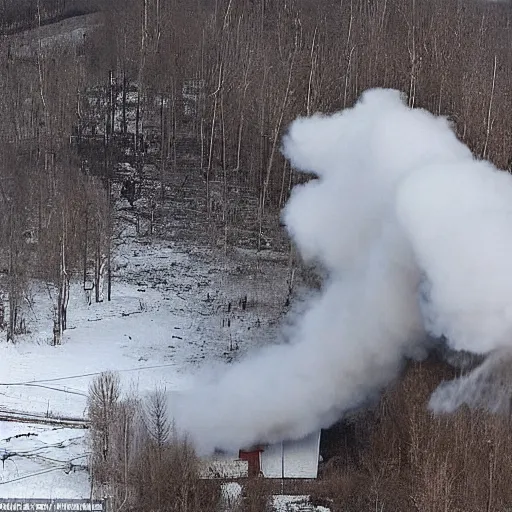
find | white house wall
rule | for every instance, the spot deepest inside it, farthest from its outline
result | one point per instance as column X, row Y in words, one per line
column 292, row 459
column 271, row 462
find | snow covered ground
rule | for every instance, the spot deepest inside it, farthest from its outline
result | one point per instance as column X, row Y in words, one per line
column 172, row 313
column 42, row 461
column 232, row 495
column 291, row 503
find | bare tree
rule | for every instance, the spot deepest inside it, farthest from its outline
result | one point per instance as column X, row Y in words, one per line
column 157, row 420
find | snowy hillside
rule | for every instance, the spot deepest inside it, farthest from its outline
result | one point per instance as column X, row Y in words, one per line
column 171, row 310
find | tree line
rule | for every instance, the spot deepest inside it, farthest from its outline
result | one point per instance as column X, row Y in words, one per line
column 229, row 76
column 53, row 216
column 262, row 63
column 255, row 65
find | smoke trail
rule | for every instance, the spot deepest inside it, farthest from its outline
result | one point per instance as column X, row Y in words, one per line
column 415, row 235
column 487, row 387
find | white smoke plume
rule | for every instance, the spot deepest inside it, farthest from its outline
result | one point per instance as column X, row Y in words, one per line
column 488, row 387
column 416, row 236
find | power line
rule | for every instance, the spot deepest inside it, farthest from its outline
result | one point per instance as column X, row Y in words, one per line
column 46, row 387
column 61, row 461
column 32, row 475
column 34, row 451
column 28, row 434
column 84, row 375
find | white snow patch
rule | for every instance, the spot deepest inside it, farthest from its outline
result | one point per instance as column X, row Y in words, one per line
column 289, row 503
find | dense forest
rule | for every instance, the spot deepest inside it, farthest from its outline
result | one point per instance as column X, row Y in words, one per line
column 206, row 90
column 201, row 92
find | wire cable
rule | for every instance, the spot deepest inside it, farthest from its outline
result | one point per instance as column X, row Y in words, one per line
column 85, row 375
column 32, row 475
column 47, row 387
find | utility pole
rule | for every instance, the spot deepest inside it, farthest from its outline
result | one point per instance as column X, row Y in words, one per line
column 282, row 467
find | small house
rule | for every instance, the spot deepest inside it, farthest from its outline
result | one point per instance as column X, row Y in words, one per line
column 288, row 459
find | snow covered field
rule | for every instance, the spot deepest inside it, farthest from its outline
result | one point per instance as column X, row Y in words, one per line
column 171, row 312
column 41, row 461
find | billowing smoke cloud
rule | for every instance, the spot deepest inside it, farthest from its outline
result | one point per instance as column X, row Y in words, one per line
column 416, row 237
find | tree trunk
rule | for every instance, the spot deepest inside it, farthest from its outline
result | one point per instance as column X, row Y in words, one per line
column 137, row 122
column 125, row 126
